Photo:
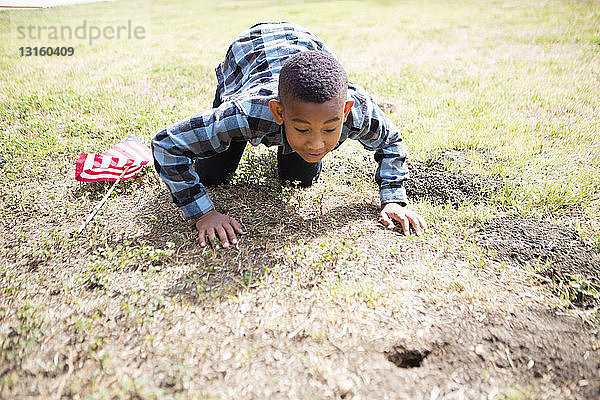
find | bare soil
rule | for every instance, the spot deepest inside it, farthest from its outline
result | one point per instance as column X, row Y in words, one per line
column 534, row 241
column 558, row 252
column 542, row 345
column 432, row 181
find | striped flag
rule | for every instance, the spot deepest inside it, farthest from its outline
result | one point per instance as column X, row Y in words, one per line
column 128, row 155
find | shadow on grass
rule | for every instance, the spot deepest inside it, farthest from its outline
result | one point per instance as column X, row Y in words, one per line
column 270, row 216
column 270, row 223
column 273, row 217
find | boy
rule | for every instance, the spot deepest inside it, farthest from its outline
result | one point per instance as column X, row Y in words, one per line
column 281, row 86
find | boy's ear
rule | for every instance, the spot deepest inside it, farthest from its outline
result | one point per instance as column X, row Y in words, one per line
column 277, row 111
column 347, row 108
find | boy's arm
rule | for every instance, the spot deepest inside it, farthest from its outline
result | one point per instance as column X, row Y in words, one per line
column 176, row 147
column 377, row 132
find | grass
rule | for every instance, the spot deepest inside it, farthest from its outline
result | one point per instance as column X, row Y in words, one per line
column 133, row 308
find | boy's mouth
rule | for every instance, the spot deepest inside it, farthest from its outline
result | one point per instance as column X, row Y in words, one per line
column 316, row 156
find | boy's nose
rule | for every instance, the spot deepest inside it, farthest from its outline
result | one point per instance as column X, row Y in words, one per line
column 315, row 144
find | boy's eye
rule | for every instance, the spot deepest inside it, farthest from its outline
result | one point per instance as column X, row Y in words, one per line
column 330, row 130
column 302, row 130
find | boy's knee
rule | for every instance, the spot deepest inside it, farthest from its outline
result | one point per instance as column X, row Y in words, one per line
column 213, row 181
column 218, row 177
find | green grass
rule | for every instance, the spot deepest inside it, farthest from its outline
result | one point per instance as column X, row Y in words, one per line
column 126, row 309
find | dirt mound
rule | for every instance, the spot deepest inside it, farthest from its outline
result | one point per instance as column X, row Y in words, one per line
column 542, row 345
column 432, row 181
column 535, row 241
column 559, row 252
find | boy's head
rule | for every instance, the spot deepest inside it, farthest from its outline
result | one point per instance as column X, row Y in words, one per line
column 312, row 91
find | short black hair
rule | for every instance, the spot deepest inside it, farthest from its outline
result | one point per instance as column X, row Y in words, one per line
column 313, row 76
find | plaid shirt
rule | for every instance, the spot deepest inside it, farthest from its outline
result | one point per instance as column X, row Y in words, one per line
column 247, row 81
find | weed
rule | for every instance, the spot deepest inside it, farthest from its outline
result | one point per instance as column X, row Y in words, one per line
column 25, row 336
column 578, row 290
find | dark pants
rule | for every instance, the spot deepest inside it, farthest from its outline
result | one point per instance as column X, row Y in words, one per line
column 291, row 167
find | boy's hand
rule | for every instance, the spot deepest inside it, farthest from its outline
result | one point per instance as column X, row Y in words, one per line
column 406, row 217
column 214, row 224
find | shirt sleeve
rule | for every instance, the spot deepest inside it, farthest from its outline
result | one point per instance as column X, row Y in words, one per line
column 376, row 132
column 202, row 135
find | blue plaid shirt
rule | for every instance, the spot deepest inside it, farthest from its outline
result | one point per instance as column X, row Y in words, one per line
column 247, row 81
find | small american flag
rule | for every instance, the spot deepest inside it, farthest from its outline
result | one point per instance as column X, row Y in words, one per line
column 128, row 155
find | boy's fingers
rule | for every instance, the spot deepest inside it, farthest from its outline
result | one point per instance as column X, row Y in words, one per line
column 201, row 238
column 223, row 236
column 230, row 233
column 405, row 225
column 417, row 225
column 386, row 221
column 237, row 226
column 416, row 222
column 423, row 223
column 406, row 219
column 211, row 235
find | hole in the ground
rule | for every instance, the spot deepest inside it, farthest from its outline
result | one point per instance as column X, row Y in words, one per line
column 406, row 358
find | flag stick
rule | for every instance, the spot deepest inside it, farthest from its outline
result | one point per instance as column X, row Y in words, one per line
column 101, row 203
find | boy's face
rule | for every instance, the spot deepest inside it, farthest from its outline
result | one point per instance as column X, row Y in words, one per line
column 311, row 129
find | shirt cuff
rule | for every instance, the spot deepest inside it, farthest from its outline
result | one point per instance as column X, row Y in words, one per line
column 197, row 207
column 393, row 195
